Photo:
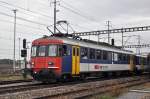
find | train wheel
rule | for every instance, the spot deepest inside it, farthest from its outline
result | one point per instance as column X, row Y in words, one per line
column 66, row 78
column 82, row 77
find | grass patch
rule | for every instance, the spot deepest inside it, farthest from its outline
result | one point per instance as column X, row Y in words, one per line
column 13, row 77
column 106, row 97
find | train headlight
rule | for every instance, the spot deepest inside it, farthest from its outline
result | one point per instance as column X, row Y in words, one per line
column 32, row 64
column 50, row 63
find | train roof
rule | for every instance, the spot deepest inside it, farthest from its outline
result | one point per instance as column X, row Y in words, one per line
column 87, row 43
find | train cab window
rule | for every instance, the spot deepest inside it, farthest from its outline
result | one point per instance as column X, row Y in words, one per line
column 84, row 53
column 42, row 51
column 33, row 51
column 52, row 50
column 92, row 54
column 98, row 54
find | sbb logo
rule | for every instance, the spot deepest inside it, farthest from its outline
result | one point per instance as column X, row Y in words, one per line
column 97, row 66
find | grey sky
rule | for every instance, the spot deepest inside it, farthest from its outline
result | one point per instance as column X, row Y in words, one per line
column 83, row 15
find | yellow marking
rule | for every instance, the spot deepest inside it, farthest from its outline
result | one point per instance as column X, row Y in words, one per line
column 75, row 60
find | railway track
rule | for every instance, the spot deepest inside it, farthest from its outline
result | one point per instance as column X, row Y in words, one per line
column 36, row 90
column 21, row 85
column 14, row 81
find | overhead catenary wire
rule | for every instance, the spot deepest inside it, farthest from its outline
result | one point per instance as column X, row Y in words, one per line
column 19, row 24
column 79, row 11
column 35, row 12
column 24, row 33
column 23, row 19
column 22, row 12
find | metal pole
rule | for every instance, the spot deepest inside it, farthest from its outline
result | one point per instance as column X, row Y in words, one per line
column 14, row 57
column 67, row 27
column 122, row 38
column 98, row 39
column 19, row 54
column 139, row 43
column 108, row 24
column 54, row 16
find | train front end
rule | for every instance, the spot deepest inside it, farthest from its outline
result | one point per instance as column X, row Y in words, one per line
column 45, row 60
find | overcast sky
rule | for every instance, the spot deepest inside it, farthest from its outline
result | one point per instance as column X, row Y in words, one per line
column 83, row 15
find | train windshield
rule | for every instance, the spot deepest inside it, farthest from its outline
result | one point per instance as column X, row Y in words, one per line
column 33, row 51
column 52, row 50
column 42, row 51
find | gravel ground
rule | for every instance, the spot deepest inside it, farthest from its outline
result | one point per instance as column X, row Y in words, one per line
column 137, row 92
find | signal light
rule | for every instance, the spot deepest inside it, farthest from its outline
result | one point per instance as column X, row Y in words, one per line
column 24, row 53
column 24, row 43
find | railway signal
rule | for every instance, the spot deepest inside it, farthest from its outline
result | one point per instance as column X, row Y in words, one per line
column 24, row 54
column 24, row 50
column 24, row 43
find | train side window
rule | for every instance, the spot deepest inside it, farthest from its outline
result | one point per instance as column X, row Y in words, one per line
column 105, row 55
column 98, row 54
column 128, row 58
column 115, row 56
column 66, row 50
column 60, row 52
column 119, row 57
column 109, row 55
column 42, row 51
column 92, row 54
column 124, row 57
column 84, row 53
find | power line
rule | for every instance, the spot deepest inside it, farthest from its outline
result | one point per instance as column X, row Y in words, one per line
column 80, row 26
column 22, row 12
column 20, row 18
column 24, row 33
column 6, row 21
column 25, row 9
column 4, row 49
column 77, row 10
column 77, row 13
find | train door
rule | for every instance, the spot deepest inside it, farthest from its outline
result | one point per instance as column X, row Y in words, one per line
column 75, row 60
